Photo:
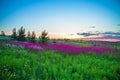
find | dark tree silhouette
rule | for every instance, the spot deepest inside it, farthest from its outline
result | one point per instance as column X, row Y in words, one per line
column 21, row 34
column 33, row 36
column 28, row 36
column 2, row 33
column 14, row 34
column 44, row 37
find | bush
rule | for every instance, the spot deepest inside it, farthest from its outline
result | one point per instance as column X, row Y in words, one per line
column 54, row 41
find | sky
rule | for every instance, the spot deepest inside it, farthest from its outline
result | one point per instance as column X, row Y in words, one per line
column 60, row 16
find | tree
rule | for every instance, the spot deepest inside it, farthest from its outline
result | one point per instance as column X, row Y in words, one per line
column 28, row 36
column 14, row 34
column 2, row 33
column 44, row 37
column 33, row 36
column 21, row 34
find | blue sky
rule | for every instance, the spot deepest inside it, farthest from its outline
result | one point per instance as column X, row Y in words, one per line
column 60, row 16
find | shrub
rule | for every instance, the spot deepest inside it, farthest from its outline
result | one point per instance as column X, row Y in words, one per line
column 54, row 41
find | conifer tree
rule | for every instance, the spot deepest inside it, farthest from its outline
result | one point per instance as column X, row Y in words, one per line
column 21, row 34
column 2, row 33
column 28, row 36
column 44, row 37
column 14, row 34
column 33, row 36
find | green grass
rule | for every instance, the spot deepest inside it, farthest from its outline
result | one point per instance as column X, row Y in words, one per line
column 5, row 38
column 78, row 43
column 20, row 64
column 118, row 46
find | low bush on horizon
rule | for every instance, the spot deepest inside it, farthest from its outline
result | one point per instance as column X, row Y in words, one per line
column 16, row 63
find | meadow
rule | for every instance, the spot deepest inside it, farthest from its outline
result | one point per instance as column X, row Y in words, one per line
column 62, row 60
column 59, row 39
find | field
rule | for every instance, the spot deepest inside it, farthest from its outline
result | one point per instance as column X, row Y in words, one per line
column 62, row 60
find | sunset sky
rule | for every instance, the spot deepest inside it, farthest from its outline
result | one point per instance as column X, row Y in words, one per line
column 60, row 16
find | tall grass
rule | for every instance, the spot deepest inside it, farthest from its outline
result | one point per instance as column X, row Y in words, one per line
column 20, row 64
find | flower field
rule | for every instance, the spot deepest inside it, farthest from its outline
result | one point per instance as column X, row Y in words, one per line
column 64, row 48
column 59, row 39
column 56, row 61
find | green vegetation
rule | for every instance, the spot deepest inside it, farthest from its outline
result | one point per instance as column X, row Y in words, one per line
column 14, row 34
column 5, row 38
column 44, row 37
column 117, row 45
column 2, row 33
column 21, row 64
column 28, row 36
column 33, row 36
column 21, row 34
column 77, row 42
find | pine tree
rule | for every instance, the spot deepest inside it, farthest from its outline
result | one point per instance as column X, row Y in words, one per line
column 28, row 36
column 44, row 37
column 2, row 33
column 21, row 34
column 33, row 36
column 14, row 34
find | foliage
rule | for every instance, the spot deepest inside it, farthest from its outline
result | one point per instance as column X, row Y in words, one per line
column 54, row 41
column 77, row 42
column 28, row 36
column 14, row 34
column 33, row 36
column 2, row 33
column 66, row 48
column 20, row 64
column 5, row 38
column 21, row 34
column 44, row 37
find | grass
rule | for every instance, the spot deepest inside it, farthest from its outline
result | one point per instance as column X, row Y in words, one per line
column 117, row 45
column 77, row 42
column 5, row 38
column 20, row 64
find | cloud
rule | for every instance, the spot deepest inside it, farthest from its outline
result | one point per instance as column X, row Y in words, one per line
column 112, row 33
column 97, row 33
column 118, row 24
column 86, row 34
column 111, row 36
column 92, row 27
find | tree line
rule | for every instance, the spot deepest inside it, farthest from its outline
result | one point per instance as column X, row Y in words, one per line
column 30, row 36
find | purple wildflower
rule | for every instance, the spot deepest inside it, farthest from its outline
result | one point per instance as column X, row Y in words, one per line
column 65, row 48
